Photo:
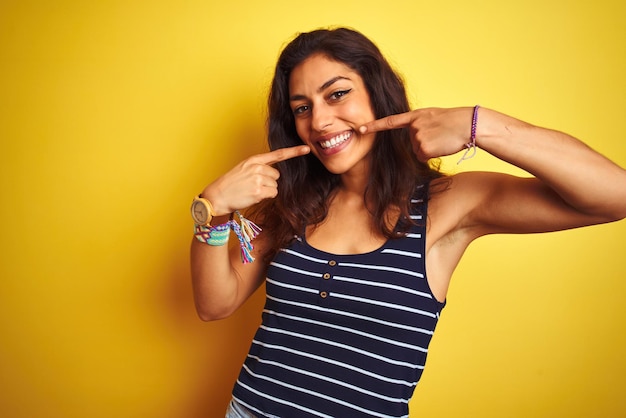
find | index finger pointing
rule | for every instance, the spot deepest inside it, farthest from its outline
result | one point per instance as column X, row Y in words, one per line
column 283, row 154
column 401, row 120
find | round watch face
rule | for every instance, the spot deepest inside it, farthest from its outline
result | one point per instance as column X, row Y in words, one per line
column 199, row 212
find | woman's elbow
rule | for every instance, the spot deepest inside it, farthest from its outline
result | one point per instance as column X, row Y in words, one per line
column 609, row 215
column 617, row 211
column 211, row 312
column 618, row 216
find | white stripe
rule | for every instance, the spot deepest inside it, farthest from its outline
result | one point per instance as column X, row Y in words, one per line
column 310, row 392
column 383, row 268
column 275, row 399
column 383, row 285
column 414, row 236
column 350, row 314
column 385, row 304
column 328, row 379
column 400, row 252
column 337, row 363
column 416, row 216
column 350, row 330
column 343, row 346
column 306, row 257
column 295, row 270
column 291, row 286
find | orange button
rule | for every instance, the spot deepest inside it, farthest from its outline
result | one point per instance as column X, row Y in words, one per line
column 323, row 295
column 326, row 276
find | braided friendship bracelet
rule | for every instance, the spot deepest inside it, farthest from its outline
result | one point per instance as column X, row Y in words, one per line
column 471, row 146
column 218, row 235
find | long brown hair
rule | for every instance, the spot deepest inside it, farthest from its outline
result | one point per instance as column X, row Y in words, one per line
column 305, row 185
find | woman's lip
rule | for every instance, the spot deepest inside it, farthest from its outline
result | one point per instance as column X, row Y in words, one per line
column 331, row 144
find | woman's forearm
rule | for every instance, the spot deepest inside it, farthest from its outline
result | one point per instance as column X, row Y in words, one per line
column 585, row 179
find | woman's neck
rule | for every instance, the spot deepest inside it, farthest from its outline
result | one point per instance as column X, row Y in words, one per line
column 356, row 179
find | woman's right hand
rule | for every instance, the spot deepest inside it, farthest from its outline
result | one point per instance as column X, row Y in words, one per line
column 250, row 181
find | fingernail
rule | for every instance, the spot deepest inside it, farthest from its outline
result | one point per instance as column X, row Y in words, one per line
column 363, row 129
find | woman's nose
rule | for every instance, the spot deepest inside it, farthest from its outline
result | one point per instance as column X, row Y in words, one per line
column 321, row 117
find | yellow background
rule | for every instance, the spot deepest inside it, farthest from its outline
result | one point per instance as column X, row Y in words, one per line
column 113, row 114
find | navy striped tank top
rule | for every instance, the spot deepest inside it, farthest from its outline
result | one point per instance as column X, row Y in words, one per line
column 342, row 335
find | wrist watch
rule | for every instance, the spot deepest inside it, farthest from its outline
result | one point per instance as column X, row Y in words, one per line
column 201, row 211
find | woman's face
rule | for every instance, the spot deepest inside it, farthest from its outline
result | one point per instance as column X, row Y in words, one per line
column 330, row 102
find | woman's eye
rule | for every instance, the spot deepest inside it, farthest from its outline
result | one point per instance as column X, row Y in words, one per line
column 300, row 110
column 339, row 94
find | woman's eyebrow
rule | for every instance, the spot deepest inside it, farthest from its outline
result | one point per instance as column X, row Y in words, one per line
column 331, row 82
column 320, row 89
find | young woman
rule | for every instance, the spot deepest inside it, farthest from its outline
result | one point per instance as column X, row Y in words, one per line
column 360, row 234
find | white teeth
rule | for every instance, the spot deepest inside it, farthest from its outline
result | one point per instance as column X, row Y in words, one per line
column 333, row 142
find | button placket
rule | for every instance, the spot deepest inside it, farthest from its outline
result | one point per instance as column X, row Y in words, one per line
column 325, row 283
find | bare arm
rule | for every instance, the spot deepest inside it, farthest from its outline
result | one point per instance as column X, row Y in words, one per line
column 573, row 185
column 221, row 282
column 586, row 182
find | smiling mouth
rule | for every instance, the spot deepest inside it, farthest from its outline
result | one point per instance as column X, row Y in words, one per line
column 335, row 141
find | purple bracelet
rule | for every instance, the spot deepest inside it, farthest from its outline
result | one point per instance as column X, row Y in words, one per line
column 471, row 146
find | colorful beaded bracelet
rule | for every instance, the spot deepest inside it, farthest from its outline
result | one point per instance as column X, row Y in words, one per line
column 218, row 235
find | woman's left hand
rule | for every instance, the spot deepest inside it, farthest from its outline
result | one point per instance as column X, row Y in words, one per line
column 435, row 132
